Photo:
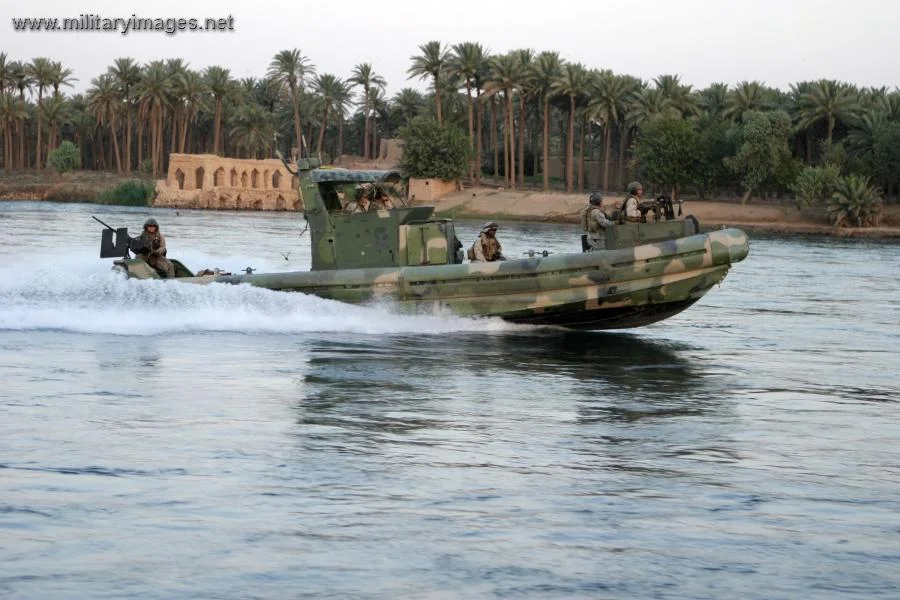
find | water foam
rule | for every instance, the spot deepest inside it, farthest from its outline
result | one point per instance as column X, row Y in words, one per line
column 76, row 293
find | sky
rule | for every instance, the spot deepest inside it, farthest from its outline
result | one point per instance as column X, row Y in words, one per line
column 778, row 42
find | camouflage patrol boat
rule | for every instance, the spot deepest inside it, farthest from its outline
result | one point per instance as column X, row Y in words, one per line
column 649, row 271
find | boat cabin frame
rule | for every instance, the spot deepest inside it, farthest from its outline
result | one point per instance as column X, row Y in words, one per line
column 380, row 238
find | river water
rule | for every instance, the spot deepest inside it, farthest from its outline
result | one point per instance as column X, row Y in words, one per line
column 161, row 440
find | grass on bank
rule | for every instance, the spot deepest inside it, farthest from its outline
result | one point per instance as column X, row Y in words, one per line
column 73, row 186
column 134, row 192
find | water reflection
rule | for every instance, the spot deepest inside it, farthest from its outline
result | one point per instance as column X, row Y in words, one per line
column 400, row 384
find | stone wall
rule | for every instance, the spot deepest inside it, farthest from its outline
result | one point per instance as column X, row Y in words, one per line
column 429, row 190
column 210, row 181
column 390, row 151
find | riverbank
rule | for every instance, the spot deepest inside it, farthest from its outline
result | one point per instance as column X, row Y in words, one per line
column 76, row 186
column 765, row 216
column 760, row 216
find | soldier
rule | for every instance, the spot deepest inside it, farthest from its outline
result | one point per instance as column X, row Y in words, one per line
column 382, row 201
column 594, row 221
column 486, row 248
column 630, row 212
column 361, row 203
column 152, row 245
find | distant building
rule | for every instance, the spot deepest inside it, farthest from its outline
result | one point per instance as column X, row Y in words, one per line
column 214, row 182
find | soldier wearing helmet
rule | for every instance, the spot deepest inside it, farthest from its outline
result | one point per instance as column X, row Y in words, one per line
column 486, row 248
column 361, row 203
column 594, row 221
column 151, row 246
column 630, row 212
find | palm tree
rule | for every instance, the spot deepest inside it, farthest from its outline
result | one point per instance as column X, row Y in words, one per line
column 5, row 75
column 127, row 75
column 365, row 77
column 431, row 63
column 493, row 101
column 480, row 78
column 12, row 111
column 827, row 100
column 453, row 104
column 607, row 106
column 194, row 93
column 219, row 82
column 83, row 126
column 409, row 102
column 379, row 108
column 855, row 203
column 153, row 97
column 891, row 106
column 712, row 102
column 865, row 126
column 55, row 112
column 41, row 72
column 746, row 96
column 546, row 69
column 267, row 93
column 176, row 68
column 7, row 109
column 343, row 99
column 525, row 86
column 251, row 129
column 331, row 88
column 467, row 60
column 679, row 95
column 103, row 103
column 292, row 69
column 59, row 77
column 312, row 120
column 572, row 83
column 504, row 77
column 21, row 79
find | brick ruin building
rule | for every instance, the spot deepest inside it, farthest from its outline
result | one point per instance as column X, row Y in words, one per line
column 213, row 182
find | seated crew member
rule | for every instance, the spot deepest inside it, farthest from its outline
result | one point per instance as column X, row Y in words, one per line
column 630, row 213
column 486, row 248
column 382, row 201
column 152, row 248
column 361, row 204
column 594, row 221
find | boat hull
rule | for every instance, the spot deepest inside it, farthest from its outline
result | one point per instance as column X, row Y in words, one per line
column 608, row 289
column 611, row 289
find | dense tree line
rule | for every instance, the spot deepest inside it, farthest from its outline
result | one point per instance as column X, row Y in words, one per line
column 517, row 111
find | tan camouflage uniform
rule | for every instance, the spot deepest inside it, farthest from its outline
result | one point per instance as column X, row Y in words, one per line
column 594, row 221
column 630, row 209
column 157, row 257
column 486, row 249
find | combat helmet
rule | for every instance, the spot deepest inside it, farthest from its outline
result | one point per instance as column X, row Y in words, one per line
column 634, row 186
column 596, row 198
column 488, row 226
column 150, row 222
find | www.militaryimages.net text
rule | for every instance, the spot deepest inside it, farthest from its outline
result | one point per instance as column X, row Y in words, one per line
column 124, row 26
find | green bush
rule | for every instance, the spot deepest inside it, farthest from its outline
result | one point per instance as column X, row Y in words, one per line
column 64, row 157
column 855, row 203
column 128, row 193
column 667, row 152
column 432, row 150
column 815, row 185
